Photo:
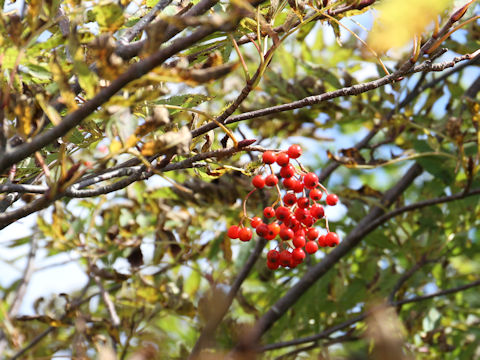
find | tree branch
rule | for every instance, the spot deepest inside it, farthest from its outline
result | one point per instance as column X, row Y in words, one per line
column 326, row 333
column 135, row 174
column 132, row 32
column 209, row 330
column 75, row 118
column 347, row 91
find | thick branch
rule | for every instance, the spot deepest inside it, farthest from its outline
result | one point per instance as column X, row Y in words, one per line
column 326, row 333
column 73, row 119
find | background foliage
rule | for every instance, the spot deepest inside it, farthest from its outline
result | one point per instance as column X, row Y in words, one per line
column 110, row 137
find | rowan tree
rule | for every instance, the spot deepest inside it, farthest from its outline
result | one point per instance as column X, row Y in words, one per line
column 131, row 132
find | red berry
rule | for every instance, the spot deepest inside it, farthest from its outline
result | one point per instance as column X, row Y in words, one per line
column 273, row 229
column 255, row 221
column 300, row 232
column 321, row 241
column 273, row 256
column 262, row 230
column 300, row 214
column 291, row 222
column 315, row 194
column 303, row 202
column 287, row 171
column 269, row 212
column 282, row 213
column 271, row 180
column 332, row 199
column 294, row 151
column 332, row 239
column 284, row 258
column 233, row 231
column 282, row 159
column 289, row 199
column 299, row 241
column 298, row 186
column 310, row 180
column 309, row 220
column 269, row 157
column 286, row 234
column 245, row 234
column 312, row 233
column 311, row 247
column 258, row 181
column 289, row 183
column 317, row 211
column 298, row 254
column 273, row 265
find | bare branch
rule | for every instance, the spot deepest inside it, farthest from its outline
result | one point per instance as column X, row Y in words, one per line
column 128, row 51
column 132, row 32
column 426, row 66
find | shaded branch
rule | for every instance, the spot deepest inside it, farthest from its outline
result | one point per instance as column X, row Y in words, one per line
column 209, row 330
column 326, row 333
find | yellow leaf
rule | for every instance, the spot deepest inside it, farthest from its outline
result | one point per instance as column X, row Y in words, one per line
column 115, row 146
column 400, row 20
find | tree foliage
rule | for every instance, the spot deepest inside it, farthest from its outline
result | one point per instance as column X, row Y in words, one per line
column 125, row 132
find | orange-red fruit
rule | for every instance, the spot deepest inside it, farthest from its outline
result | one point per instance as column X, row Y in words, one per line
column 332, row 239
column 286, row 233
column 315, row 194
column 283, row 159
column 332, row 199
column 294, row 151
column 284, row 258
column 322, row 242
column 273, row 265
column 233, row 231
column 282, row 213
column 299, row 241
column 297, row 186
column 269, row 157
column 262, row 230
column 290, row 199
column 269, row 212
column 273, row 256
column 311, row 247
column 271, row 180
column 310, row 180
column 287, row 171
column 317, row 211
column 258, row 181
column 312, row 233
column 255, row 221
column 274, row 229
column 245, row 234
column 303, row 202
column 298, row 255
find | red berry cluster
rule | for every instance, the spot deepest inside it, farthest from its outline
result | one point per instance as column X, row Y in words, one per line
column 293, row 216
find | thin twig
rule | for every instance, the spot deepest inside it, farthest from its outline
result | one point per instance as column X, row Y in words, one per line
column 357, row 89
column 132, row 32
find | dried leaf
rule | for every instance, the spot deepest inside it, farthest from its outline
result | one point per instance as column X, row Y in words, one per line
column 172, row 139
